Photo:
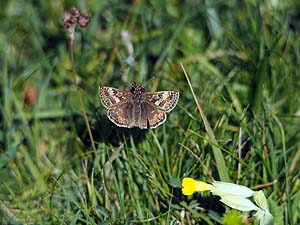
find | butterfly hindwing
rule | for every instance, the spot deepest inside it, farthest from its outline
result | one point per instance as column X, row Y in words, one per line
column 152, row 117
column 121, row 115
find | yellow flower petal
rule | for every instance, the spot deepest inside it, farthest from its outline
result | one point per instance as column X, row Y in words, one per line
column 189, row 186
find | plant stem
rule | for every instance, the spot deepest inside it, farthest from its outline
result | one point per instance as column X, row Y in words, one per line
column 71, row 55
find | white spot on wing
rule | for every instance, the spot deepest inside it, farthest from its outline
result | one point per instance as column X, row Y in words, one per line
column 112, row 94
column 163, row 98
column 110, row 91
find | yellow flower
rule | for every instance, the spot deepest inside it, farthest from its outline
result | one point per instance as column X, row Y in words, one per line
column 189, row 186
column 234, row 195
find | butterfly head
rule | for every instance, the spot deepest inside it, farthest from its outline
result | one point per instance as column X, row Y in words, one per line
column 137, row 89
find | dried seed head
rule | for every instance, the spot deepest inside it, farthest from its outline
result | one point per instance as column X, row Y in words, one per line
column 76, row 17
column 84, row 19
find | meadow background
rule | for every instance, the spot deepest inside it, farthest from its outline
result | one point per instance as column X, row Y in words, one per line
column 243, row 60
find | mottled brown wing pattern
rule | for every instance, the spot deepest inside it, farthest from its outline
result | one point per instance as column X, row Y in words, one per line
column 151, row 116
column 111, row 96
column 164, row 100
column 121, row 115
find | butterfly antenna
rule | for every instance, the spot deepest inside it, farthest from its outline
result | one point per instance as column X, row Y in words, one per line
column 152, row 78
column 127, row 83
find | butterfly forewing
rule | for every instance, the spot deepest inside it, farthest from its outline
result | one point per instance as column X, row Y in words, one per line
column 111, row 96
column 164, row 100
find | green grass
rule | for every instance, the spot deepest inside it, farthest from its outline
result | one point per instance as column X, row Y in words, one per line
column 243, row 63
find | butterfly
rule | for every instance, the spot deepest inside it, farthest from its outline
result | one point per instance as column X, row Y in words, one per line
column 136, row 107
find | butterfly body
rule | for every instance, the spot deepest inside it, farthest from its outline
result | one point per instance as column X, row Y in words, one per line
column 137, row 108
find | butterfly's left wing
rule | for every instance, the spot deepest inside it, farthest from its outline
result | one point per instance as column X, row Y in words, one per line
column 163, row 100
column 111, row 96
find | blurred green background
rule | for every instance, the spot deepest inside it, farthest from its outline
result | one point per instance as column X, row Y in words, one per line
column 243, row 60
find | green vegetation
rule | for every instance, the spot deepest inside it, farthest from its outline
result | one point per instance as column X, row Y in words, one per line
column 243, row 62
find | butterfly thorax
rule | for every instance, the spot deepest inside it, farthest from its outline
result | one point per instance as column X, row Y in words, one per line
column 137, row 91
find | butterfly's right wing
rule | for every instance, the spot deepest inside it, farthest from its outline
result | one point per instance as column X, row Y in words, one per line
column 112, row 96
